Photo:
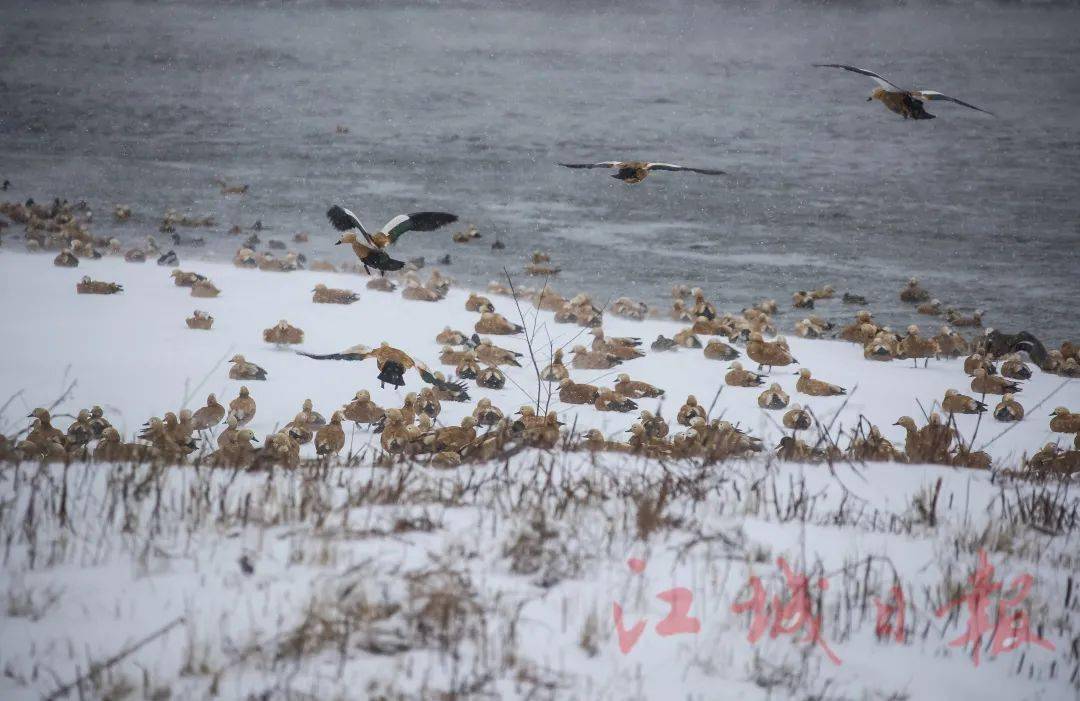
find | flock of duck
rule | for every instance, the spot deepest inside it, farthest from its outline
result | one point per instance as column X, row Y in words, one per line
column 487, row 432
column 996, row 366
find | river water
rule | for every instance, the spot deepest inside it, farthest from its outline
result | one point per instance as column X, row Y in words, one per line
column 466, row 107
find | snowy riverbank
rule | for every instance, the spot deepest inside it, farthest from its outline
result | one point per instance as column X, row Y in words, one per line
column 496, row 580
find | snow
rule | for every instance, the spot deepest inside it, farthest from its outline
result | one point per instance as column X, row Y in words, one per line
column 133, row 549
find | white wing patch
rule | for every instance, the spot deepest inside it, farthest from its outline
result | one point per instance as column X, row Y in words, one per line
column 396, row 221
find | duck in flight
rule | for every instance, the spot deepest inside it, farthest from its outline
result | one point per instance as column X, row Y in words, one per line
column 392, row 364
column 906, row 103
column 373, row 254
column 632, row 172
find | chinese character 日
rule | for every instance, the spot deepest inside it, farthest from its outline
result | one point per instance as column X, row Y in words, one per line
column 890, row 616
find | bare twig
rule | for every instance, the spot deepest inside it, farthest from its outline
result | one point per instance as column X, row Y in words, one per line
column 96, row 668
column 528, row 337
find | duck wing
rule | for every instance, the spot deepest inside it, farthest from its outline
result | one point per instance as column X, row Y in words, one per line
column 675, row 167
column 417, row 221
column 601, row 164
column 356, row 353
column 455, row 388
column 934, row 95
column 881, row 80
column 344, row 220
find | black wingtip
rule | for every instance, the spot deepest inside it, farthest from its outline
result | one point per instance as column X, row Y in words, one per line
column 340, row 219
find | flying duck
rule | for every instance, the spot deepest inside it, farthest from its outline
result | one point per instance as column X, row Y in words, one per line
column 370, row 257
column 392, row 364
column 906, row 103
column 344, row 220
column 632, row 172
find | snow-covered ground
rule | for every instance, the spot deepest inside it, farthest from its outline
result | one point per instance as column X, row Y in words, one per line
column 490, row 580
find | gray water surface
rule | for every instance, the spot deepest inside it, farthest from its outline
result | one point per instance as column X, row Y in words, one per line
column 467, row 107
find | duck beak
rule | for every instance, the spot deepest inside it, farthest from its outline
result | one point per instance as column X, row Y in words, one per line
column 337, row 243
column 869, row 99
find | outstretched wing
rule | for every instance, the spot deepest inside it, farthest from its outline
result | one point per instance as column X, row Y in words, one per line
column 349, row 354
column 672, row 166
column 933, row 95
column 456, row 388
column 601, row 164
column 343, row 219
column 884, row 82
column 417, row 221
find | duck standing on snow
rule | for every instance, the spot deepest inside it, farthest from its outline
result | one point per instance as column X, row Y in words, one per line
column 906, row 103
column 362, row 410
column 915, row 346
column 209, row 415
column 330, row 439
column 242, row 408
column 689, row 411
column 633, row 172
column 771, row 354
